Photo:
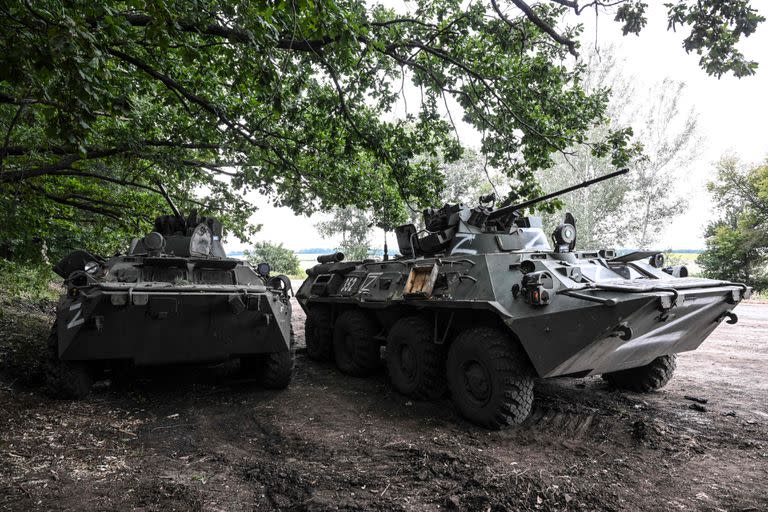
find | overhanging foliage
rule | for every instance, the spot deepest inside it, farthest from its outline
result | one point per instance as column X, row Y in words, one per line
column 101, row 100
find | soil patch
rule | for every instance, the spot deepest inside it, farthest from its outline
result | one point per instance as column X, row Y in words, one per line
column 204, row 439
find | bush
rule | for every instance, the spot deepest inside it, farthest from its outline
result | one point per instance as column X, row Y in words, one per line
column 24, row 330
column 29, row 281
column 738, row 238
column 28, row 292
column 280, row 259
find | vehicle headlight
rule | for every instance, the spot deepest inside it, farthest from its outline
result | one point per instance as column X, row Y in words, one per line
column 91, row 267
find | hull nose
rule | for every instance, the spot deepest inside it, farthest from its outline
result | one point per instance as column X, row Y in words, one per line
column 175, row 328
column 633, row 333
column 685, row 328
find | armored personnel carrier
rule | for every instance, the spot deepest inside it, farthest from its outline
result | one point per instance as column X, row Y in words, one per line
column 174, row 297
column 480, row 304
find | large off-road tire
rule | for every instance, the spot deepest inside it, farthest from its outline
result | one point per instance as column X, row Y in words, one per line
column 355, row 347
column 644, row 379
column 65, row 379
column 318, row 334
column 277, row 370
column 490, row 378
column 273, row 370
column 416, row 364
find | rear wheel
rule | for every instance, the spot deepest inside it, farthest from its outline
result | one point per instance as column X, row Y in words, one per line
column 644, row 379
column 490, row 378
column 318, row 334
column 65, row 379
column 354, row 344
column 416, row 364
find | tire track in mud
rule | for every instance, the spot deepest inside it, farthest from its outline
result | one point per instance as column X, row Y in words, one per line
column 398, row 476
column 575, row 426
column 294, row 465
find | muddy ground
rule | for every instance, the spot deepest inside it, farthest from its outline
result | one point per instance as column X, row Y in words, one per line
column 203, row 439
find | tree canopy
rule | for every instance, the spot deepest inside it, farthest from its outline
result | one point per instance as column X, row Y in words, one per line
column 281, row 259
column 634, row 210
column 354, row 225
column 102, row 101
column 737, row 240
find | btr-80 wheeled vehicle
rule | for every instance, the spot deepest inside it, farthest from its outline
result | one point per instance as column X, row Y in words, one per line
column 175, row 297
column 481, row 304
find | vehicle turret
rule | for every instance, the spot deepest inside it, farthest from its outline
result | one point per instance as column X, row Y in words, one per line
column 175, row 235
column 459, row 229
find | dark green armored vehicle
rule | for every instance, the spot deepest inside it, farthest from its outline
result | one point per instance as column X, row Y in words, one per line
column 479, row 303
column 174, row 297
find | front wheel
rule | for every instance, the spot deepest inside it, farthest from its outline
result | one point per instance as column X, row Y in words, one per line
column 490, row 378
column 65, row 379
column 354, row 344
column 273, row 370
column 644, row 379
column 278, row 370
column 318, row 334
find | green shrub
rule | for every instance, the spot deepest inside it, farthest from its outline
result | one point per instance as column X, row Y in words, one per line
column 28, row 282
column 24, row 330
column 280, row 259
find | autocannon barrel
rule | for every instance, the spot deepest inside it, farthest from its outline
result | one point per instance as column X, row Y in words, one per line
column 520, row 206
column 330, row 258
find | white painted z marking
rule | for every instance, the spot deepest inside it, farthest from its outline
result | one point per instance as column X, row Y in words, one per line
column 534, row 242
column 369, row 280
column 463, row 239
column 78, row 318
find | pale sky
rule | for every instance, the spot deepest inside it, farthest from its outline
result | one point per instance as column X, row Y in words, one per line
column 732, row 118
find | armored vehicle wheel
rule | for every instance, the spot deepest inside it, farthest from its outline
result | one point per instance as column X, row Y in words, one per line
column 416, row 364
column 644, row 379
column 65, row 379
column 354, row 346
column 278, row 370
column 318, row 334
column 274, row 371
column 490, row 378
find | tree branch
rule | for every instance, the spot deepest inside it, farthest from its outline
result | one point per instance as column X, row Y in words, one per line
column 543, row 25
column 62, row 151
column 76, row 204
column 172, row 84
column 7, row 140
column 233, row 34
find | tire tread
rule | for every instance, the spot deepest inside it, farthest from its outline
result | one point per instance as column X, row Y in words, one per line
column 511, row 363
column 644, row 379
column 433, row 383
column 318, row 334
column 365, row 358
column 65, row 379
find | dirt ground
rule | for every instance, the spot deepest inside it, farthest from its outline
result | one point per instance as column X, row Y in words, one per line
column 203, row 439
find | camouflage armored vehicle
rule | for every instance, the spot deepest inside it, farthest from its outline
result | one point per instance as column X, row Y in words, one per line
column 174, row 297
column 480, row 304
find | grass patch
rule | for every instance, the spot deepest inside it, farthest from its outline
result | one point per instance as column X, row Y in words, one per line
column 24, row 330
column 28, row 295
column 29, row 282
